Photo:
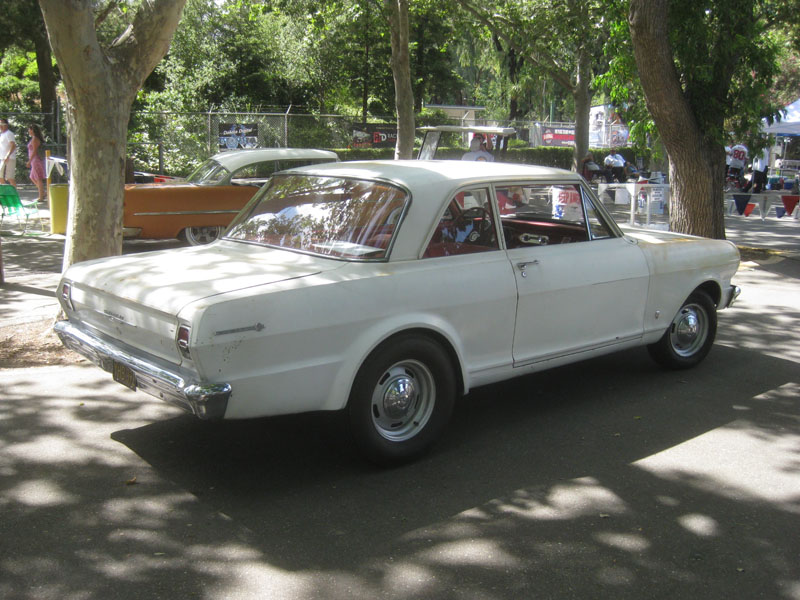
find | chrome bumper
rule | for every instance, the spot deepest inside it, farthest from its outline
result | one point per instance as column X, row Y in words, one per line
column 733, row 294
column 153, row 376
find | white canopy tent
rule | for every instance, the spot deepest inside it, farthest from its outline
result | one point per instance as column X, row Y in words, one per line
column 789, row 125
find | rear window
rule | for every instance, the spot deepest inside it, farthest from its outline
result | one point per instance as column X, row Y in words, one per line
column 330, row 216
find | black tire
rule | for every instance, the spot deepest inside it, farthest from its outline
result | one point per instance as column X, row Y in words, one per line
column 401, row 400
column 690, row 335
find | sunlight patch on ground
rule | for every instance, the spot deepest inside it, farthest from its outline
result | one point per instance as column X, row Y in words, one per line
column 722, row 461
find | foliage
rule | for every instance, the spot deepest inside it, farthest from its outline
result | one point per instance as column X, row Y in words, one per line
column 728, row 102
column 19, row 88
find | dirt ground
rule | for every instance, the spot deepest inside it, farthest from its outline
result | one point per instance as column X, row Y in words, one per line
column 33, row 344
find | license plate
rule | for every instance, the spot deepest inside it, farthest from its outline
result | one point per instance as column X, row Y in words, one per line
column 124, row 375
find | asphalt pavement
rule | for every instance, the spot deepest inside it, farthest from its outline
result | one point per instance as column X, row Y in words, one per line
column 609, row 478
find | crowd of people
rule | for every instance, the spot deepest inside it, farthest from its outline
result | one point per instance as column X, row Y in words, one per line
column 8, row 156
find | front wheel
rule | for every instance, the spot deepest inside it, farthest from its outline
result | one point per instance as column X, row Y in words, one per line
column 401, row 400
column 689, row 337
column 197, row 236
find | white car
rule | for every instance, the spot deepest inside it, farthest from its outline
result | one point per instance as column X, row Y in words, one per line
column 389, row 289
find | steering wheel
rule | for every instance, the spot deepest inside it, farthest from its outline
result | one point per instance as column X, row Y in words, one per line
column 481, row 221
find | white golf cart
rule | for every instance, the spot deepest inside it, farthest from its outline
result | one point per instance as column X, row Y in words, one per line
column 498, row 135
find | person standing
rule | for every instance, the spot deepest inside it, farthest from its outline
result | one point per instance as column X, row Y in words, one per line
column 8, row 154
column 738, row 161
column 759, row 178
column 35, row 162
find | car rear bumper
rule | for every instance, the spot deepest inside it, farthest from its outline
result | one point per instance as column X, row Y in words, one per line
column 153, row 376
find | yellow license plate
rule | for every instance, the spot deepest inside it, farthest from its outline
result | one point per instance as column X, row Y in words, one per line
column 124, row 375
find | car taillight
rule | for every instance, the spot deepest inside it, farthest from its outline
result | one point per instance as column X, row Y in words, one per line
column 184, row 332
column 66, row 295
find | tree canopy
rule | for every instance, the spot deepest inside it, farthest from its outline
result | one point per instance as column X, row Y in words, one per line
column 730, row 63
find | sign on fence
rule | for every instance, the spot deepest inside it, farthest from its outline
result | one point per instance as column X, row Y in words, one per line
column 374, row 135
column 238, row 135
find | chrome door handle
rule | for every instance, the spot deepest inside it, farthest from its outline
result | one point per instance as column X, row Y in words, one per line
column 524, row 265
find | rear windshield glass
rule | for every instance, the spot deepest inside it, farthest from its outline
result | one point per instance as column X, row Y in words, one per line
column 331, row 216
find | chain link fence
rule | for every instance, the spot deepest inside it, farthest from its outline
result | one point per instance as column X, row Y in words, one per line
column 177, row 142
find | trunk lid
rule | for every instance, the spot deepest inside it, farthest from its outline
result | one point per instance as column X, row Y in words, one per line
column 135, row 298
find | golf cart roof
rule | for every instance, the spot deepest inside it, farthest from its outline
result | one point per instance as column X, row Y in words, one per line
column 486, row 129
column 430, row 142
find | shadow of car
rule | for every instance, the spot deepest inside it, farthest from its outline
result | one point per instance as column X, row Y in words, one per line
column 200, row 207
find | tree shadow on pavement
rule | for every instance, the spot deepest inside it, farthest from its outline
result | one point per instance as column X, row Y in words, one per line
column 536, row 481
column 607, row 478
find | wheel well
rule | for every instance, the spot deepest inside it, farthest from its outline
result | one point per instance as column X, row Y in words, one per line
column 713, row 290
column 439, row 339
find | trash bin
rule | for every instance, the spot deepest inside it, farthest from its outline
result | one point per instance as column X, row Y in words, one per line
column 59, row 200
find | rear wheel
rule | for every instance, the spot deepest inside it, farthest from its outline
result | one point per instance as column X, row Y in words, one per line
column 197, row 236
column 401, row 400
column 689, row 337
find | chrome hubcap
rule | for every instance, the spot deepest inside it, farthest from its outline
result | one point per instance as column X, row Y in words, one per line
column 203, row 235
column 403, row 400
column 689, row 330
column 400, row 395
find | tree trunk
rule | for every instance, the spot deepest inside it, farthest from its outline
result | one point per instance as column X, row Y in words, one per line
column 47, row 79
column 696, row 205
column 101, row 84
column 401, row 71
column 582, row 95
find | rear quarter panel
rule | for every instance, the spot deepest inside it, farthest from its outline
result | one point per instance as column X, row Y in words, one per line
column 301, row 342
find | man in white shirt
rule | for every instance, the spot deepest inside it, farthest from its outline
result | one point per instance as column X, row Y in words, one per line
column 616, row 162
column 759, row 178
column 476, row 151
column 8, row 154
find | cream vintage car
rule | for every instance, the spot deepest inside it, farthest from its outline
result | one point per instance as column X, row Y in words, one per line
column 388, row 289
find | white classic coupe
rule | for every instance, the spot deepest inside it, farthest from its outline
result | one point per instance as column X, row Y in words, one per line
column 390, row 288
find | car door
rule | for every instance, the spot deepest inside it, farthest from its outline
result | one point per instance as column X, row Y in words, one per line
column 581, row 285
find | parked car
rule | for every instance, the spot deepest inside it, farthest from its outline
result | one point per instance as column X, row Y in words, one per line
column 390, row 288
column 200, row 207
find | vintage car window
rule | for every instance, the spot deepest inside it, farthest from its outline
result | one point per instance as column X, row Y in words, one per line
column 543, row 214
column 256, row 173
column 467, row 226
column 209, row 173
column 598, row 226
column 340, row 217
column 259, row 173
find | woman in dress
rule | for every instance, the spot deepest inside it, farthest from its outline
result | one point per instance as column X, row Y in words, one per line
column 35, row 161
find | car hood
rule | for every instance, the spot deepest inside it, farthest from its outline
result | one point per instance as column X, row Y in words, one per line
column 168, row 280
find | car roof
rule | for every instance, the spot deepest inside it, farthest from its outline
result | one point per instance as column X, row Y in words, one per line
column 418, row 174
column 432, row 184
column 235, row 159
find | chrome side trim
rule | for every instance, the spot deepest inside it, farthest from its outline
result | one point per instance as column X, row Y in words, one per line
column 575, row 351
column 154, row 376
column 186, row 212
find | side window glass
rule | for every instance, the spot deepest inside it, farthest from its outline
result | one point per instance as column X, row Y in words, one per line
column 466, row 226
column 597, row 224
column 541, row 214
column 255, row 174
